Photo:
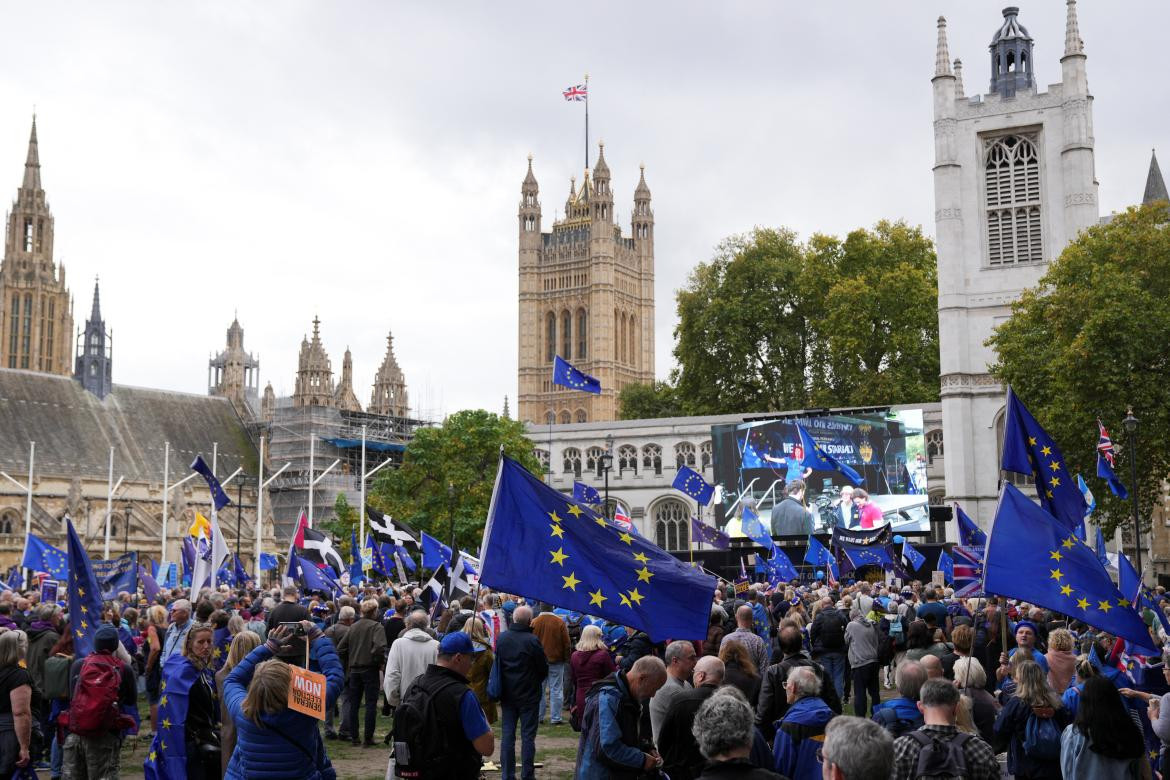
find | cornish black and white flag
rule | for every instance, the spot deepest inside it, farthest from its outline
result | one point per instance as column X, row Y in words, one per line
column 457, row 583
column 435, row 588
column 318, row 548
column 386, row 529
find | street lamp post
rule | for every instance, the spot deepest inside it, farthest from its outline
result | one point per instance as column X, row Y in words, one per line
column 606, row 465
column 1131, row 425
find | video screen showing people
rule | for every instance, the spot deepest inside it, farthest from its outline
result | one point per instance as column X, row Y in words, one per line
column 755, row 461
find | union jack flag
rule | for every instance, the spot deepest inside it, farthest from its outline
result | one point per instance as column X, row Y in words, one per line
column 968, row 571
column 577, row 93
column 1105, row 444
column 622, row 518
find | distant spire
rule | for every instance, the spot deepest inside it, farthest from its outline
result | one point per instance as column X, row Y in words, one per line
column 1155, row 184
column 507, row 414
column 1072, row 32
column 96, row 314
column 530, row 178
column 642, row 190
column 601, row 170
column 959, row 91
column 32, row 163
column 942, row 57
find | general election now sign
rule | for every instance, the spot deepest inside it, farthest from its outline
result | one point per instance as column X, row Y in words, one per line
column 306, row 692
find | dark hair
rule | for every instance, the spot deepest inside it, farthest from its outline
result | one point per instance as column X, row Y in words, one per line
column 791, row 640
column 918, row 636
column 1104, row 720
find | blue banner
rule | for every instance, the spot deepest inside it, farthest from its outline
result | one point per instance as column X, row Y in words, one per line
column 116, row 575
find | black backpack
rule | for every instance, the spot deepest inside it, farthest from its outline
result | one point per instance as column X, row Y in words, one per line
column 420, row 744
column 939, row 760
column 832, row 631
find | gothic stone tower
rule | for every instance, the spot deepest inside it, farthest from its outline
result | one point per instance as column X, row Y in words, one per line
column 389, row 396
column 586, row 294
column 95, row 353
column 343, row 396
column 1014, row 183
column 235, row 373
column 314, row 386
column 36, row 313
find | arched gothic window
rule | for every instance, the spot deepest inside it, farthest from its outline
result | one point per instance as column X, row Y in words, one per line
column 684, row 454
column 705, row 455
column 627, row 458
column 633, row 341
column 572, row 461
column 934, row 445
column 566, row 334
column 581, row 416
column 672, row 525
column 621, row 356
column 1012, row 182
column 542, row 458
column 582, row 343
column 593, row 460
column 652, row 458
column 8, row 521
column 566, row 417
column 550, row 339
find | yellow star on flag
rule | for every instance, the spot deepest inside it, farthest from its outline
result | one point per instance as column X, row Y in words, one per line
column 1045, row 450
column 1055, row 574
column 557, row 530
column 644, row 574
column 571, row 581
column 625, row 537
column 600, row 521
column 625, row 601
column 1124, row 603
column 166, row 723
column 1032, row 441
column 1066, row 590
column 1055, row 555
column 636, row 597
column 641, row 557
column 81, row 591
column 575, row 510
column 554, row 516
column 1069, row 543
column 153, row 755
column 597, row 598
column 1104, row 606
column 1054, row 465
column 1055, row 482
column 163, row 701
column 1083, row 603
column 558, row 556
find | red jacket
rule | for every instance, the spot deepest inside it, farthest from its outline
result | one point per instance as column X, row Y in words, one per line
column 586, row 668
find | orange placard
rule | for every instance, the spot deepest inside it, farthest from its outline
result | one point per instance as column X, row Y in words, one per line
column 306, row 692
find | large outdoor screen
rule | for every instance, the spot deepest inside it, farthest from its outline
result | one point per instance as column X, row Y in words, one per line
column 754, row 461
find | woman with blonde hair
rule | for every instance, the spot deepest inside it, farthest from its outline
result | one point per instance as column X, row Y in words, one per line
column 188, row 704
column 971, row 681
column 156, row 629
column 273, row 741
column 740, row 670
column 481, row 667
column 1032, row 699
column 589, row 663
column 243, row 643
column 17, row 694
column 1061, row 659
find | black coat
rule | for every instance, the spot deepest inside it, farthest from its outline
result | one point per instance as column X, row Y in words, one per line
column 790, row 518
column 523, row 666
column 774, row 699
column 681, row 758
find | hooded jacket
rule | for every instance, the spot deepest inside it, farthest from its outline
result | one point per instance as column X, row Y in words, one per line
column 410, row 656
column 898, row 716
column 863, row 638
column 796, row 743
column 41, row 638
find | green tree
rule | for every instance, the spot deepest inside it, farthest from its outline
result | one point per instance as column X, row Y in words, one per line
column 1090, row 340
column 449, row 472
column 342, row 524
column 644, row 402
column 771, row 324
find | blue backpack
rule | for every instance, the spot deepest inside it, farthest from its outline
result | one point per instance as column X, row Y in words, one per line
column 1041, row 739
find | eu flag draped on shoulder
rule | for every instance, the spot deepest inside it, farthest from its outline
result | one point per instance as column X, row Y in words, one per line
column 85, row 602
column 167, row 758
column 1033, row 557
column 817, row 459
column 970, row 534
column 39, row 555
column 692, row 483
column 585, row 494
column 566, row 376
column 1029, row 450
column 541, row 545
column 1106, row 455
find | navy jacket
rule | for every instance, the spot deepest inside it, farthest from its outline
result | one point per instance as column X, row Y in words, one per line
column 523, row 666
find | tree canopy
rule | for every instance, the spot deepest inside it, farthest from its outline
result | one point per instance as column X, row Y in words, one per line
column 1092, row 340
column 449, row 471
column 770, row 323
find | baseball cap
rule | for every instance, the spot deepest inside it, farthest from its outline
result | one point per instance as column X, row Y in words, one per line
column 458, row 642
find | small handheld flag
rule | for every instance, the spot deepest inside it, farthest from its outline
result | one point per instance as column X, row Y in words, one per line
column 585, row 494
column 1029, row 450
column 970, row 534
column 819, row 555
column 566, row 376
column 946, row 564
column 1105, row 472
column 754, row 529
column 39, row 555
column 712, row 536
column 692, row 483
column 912, row 556
column 85, row 600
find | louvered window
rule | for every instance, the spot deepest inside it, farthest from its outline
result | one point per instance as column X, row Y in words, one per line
column 1012, row 179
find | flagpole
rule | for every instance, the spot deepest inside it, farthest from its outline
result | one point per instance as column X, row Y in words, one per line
column 259, row 509
column 32, row 451
column 586, row 122
column 214, row 511
column 362, row 500
column 166, row 490
column 109, row 501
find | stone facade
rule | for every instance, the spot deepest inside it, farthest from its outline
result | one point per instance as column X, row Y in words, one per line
column 36, row 310
column 586, row 294
column 1014, row 183
column 235, row 373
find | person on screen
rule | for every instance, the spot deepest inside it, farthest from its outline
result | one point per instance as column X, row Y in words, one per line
column 789, row 517
column 869, row 513
column 793, row 465
column 844, row 512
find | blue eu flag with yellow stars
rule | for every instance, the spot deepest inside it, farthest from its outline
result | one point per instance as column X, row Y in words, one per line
column 1033, row 557
column 1029, row 450
column 566, row 376
column 218, row 497
column 85, row 596
column 692, row 483
column 970, row 534
column 912, row 556
column 167, row 758
column 39, row 555
column 817, row 459
column 585, row 494
column 819, row 555
column 541, row 545
column 754, row 529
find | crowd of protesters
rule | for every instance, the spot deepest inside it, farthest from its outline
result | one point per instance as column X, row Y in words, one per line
column 858, row 680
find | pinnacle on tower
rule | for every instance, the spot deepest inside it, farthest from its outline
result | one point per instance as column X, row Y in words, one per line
column 601, row 170
column 507, row 413
column 1155, row 184
column 32, row 163
column 959, row 91
column 530, row 177
column 642, row 191
column 942, row 56
column 96, row 314
column 1072, row 32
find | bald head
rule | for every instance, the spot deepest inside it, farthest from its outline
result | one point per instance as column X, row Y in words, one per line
column 646, row 676
column 522, row 615
column 709, row 670
column 933, row 666
column 743, row 616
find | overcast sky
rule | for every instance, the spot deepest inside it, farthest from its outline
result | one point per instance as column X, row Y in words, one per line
column 361, row 161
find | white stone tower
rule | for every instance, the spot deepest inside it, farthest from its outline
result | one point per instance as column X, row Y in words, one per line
column 1014, row 182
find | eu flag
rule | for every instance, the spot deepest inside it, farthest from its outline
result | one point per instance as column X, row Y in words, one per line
column 692, row 483
column 912, row 556
column 400, row 554
column 42, row 556
column 1105, row 472
column 778, row 568
column 378, row 563
column 434, row 552
column 866, row 555
column 218, row 497
column 712, row 536
column 1129, row 582
column 313, row 577
column 1033, row 557
column 817, row 459
column 356, row 574
column 1029, row 450
column 819, row 555
column 541, row 545
column 970, row 534
column 754, row 529
column 585, row 494
column 267, row 561
column 1102, row 552
column 85, row 596
column 946, row 564
column 566, row 376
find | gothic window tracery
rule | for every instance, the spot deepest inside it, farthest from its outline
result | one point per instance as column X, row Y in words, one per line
column 627, row 458
column 550, row 338
column 934, row 445
column 571, row 460
column 684, row 454
column 705, row 454
column 652, row 458
column 671, row 525
column 566, row 334
column 1012, row 182
column 593, row 460
column 582, row 322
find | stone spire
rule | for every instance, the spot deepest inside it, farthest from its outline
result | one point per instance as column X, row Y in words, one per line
column 389, row 397
column 942, row 56
column 344, row 397
column 530, row 178
column 314, row 385
column 1155, row 184
column 959, row 91
column 507, row 414
column 601, row 169
column 96, row 313
column 32, row 163
column 1072, row 32
column 642, row 191
column 93, row 365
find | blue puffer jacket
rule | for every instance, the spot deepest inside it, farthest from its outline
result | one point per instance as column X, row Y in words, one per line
column 261, row 752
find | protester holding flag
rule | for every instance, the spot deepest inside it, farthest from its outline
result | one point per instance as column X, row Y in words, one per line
column 242, row 644
column 187, row 744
